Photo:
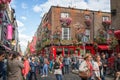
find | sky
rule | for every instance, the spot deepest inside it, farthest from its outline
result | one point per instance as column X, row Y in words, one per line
column 29, row 13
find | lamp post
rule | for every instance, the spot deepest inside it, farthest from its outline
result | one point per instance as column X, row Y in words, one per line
column 84, row 40
column 93, row 23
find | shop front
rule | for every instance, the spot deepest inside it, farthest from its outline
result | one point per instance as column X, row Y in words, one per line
column 70, row 50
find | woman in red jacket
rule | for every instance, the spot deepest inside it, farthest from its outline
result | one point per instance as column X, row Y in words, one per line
column 26, row 69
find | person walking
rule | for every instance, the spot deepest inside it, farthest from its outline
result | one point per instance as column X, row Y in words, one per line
column 2, row 57
column 58, row 69
column 51, row 66
column 98, row 68
column 117, row 67
column 26, row 69
column 33, row 66
column 86, row 66
column 45, row 67
column 41, row 59
column 66, row 62
column 104, row 62
column 14, row 67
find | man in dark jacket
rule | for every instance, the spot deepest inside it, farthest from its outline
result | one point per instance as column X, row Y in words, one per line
column 2, row 56
column 2, row 53
column 104, row 62
column 117, row 67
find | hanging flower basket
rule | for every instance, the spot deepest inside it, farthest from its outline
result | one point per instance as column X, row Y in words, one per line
column 1, row 15
column 113, row 43
column 2, row 6
column 0, row 21
column 65, row 21
column 66, row 42
column 106, row 23
column 101, row 32
column 88, row 22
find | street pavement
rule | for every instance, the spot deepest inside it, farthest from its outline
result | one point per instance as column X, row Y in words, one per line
column 70, row 76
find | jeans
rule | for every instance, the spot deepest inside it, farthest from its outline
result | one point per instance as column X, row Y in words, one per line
column 28, row 76
column 102, row 77
column 67, row 69
column 45, row 69
column 41, row 69
column 31, row 76
column 4, row 75
column 59, row 76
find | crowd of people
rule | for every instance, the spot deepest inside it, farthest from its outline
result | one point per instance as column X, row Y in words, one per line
column 13, row 66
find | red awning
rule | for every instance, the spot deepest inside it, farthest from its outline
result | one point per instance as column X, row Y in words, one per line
column 117, row 34
column 103, row 47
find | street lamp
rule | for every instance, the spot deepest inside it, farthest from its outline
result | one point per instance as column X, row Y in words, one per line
column 93, row 23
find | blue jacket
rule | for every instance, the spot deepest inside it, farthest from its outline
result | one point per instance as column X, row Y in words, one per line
column 33, row 66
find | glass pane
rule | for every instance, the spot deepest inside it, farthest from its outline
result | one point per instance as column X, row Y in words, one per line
column 64, row 15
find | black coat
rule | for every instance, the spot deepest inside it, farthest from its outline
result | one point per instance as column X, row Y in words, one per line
column 117, row 64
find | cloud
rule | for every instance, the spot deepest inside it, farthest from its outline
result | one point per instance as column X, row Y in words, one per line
column 20, row 24
column 24, row 40
column 13, row 2
column 24, row 5
column 103, row 5
column 37, row 8
column 23, row 18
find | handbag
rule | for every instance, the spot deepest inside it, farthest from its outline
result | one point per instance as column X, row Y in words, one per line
column 58, row 71
column 84, row 74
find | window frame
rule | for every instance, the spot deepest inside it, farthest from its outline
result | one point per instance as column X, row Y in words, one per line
column 66, row 35
column 105, row 18
column 64, row 15
column 87, row 17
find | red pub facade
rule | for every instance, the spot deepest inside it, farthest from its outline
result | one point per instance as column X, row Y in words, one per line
column 65, row 30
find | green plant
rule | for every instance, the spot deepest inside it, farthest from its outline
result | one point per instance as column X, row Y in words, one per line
column 100, row 40
column 113, row 43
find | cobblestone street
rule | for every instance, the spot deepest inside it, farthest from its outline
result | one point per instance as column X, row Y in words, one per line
column 70, row 76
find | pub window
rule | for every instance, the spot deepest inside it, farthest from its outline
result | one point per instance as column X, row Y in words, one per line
column 64, row 15
column 105, row 18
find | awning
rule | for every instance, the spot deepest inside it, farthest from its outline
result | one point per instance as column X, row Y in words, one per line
column 117, row 34
column 103, row 47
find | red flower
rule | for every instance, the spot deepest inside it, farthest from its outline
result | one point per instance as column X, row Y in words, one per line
column 88, row 22
column 0, row 21
column 65, row 21
column 5, row 1
column 106, row 23
column 1, row 15
column 110, row 32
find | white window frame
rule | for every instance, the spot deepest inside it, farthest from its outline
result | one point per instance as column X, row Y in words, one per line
column 87, row 33
column 87, row 17
column 105, row 18
column 64, row 15
column 66, row 36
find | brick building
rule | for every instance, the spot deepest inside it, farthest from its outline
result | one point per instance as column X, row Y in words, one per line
column 67, row 27
column 115, row 16
column 8, row 28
